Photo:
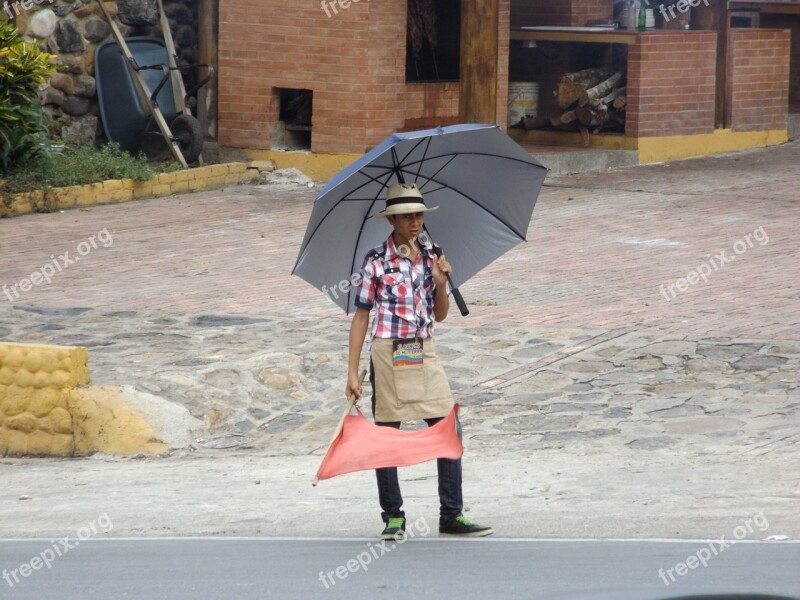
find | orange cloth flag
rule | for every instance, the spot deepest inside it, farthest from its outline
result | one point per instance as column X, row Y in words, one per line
column 362, row 445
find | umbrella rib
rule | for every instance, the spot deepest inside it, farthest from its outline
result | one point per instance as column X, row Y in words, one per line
column 471, row 199
column 442, row 168
column 424, row 154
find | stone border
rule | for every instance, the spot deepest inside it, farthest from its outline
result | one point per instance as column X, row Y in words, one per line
column 123, row 190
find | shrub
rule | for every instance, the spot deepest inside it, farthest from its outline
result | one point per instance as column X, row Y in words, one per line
column 76, row 166
column 23, row 68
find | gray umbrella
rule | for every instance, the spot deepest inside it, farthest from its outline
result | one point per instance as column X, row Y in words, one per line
column 483, row 182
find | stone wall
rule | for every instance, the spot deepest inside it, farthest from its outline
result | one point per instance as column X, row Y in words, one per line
column 73, row 30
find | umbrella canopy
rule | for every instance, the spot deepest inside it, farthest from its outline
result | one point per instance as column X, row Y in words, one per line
column 483, row 182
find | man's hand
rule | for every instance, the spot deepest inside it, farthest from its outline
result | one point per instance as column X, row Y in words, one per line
column 353, row 387
column 440, row 270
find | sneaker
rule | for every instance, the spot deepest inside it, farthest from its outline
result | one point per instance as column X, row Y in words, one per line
column 395, row 529
column 464, row 527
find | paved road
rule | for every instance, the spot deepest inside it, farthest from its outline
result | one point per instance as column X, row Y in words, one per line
column 244, row 569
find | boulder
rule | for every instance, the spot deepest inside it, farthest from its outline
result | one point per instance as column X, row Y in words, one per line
column 68, row 36
column 75, row 106
column 82, row 131
column 63, row 82
column 95, row 30
column 43, row 24
column 85, row 86
column 137, row 12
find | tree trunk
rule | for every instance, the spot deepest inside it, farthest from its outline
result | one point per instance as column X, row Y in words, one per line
column 592, row 95
column 572, row 85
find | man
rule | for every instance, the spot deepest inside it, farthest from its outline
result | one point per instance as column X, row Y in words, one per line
column 406, row 282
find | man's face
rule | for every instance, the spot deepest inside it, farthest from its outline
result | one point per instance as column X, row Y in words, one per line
column 408, row 226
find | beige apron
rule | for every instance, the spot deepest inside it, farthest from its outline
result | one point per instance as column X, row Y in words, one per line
column 411, row 392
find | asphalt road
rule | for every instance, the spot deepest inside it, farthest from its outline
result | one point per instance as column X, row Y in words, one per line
column 250, row 568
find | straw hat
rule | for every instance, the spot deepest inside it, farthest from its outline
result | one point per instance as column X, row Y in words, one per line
column 403, row 199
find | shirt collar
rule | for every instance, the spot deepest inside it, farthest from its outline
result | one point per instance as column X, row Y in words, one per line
column 392, row 253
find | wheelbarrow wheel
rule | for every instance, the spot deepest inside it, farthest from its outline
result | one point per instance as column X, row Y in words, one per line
column 189, row 134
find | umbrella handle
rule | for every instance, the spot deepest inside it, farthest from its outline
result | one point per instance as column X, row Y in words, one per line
column 462, row 306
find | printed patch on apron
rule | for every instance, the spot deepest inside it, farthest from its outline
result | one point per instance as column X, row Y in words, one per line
column 406, row 353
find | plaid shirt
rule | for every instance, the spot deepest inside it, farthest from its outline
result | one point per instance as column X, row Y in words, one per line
column 403, row 292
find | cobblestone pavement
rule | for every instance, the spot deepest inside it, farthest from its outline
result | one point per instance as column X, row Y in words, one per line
column 642, row 346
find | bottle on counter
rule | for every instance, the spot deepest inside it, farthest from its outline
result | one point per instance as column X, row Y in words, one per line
column 642, row 16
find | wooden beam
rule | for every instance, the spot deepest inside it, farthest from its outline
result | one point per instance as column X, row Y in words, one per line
column 715, row 17
column 208, row 27
column 479, row 54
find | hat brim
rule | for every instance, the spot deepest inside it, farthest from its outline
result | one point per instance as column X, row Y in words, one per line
column 405, row 209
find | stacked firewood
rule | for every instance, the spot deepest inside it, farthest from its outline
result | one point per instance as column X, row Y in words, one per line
column 592, row 99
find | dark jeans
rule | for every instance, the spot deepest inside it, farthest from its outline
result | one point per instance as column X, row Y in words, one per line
column 451, row 503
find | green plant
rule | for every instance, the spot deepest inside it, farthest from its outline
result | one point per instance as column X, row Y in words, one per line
column 76, row 166
column 23, row 67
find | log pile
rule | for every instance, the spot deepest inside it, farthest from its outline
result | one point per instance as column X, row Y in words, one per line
column 590, row 99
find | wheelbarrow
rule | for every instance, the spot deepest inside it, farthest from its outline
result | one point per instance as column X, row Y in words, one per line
column 138, row 109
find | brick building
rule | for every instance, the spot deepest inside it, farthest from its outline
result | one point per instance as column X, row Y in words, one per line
column 337, row 77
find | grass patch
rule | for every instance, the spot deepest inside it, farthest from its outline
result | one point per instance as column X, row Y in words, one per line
column 79, row 165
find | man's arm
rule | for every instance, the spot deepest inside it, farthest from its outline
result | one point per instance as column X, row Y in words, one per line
column 358, row 331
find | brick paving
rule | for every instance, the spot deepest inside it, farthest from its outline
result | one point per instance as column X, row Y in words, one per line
column 600, row 245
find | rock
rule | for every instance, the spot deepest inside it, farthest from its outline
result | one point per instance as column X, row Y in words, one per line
column 562, row 436
column 321, row 358
column 178, row 13
column 258, row 413
column 76, row 107
column 299, row 395
column 51, row 95
column 85, row 86
column 43, row 23
column 68, row 36
column 137, row 12
column 214, row 417
column 588, row 366
column 542, row 381
column 63, row 82
column 65, row 9
column 82, row 131
column 87, row 11
column 704, row 425
column 684, row 410
column 644, row 363
column 71, row 64
column 617, row 412
column 244, row 426
column 651, row 443
column 759, row 363
column 729, row 351
column 186, row 37
column 277, row 379
column 288, row 422
column 95, row 30
column 669, row 348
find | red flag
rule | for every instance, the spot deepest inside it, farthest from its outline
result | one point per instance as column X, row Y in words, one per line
column 362, row 445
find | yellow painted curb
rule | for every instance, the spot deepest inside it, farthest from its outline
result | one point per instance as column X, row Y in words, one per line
column 660, row 149
column 123, row 190
column 46, row 409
